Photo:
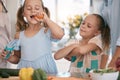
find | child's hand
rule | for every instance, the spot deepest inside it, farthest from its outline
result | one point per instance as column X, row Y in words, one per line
column 68, row 58
column 41, row 17
column 3, row 54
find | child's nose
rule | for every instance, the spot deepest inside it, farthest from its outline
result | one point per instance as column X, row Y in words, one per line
column 33, row 11
column 83, row 26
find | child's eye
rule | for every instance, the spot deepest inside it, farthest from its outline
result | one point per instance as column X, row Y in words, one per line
column 83, row 23
column 89, row 26
column 29, row 8
column 37, row 8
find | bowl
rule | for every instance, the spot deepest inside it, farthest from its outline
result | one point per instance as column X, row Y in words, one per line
column 104, row 76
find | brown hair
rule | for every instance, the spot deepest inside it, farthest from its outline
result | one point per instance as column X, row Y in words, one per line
column 105, row 31
column 21, row 24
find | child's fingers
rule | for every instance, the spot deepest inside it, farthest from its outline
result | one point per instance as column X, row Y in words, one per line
column 39, row 17
column 68, row 58
column 3, row 54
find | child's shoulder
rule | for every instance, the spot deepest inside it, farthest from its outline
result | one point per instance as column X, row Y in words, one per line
column 17, row 34
column 96, row 38
column 75, row 41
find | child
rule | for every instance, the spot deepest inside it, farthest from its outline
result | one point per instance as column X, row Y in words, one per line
column 86, row 53
column 35, row 44
column 5, row 31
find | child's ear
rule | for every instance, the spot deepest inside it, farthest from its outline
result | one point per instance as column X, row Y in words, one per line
column 23, row 14
column 98, row 32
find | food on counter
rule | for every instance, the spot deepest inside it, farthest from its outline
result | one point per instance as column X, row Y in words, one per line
column 108, row 70
column 39, row 74
column 104, row 74
column 10, row 72
column 26, row 73
column 32, row 74
column 4, row 75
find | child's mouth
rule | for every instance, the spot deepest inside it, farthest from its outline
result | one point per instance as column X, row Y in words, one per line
column 32, row 16
column 39, row 17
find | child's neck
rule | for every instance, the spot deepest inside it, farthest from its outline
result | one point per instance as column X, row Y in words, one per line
column 34, row 27
column 84, row 40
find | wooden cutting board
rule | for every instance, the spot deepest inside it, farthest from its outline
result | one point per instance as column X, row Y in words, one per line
column 10, row 78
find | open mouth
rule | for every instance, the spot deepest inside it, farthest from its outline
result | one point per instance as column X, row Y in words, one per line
column 32, row 16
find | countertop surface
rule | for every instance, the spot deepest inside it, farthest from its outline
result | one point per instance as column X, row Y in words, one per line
column 10, row 78
column 17, row 78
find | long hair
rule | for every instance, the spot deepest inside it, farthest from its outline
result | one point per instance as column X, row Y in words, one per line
column 21, row 24
column 105, row 31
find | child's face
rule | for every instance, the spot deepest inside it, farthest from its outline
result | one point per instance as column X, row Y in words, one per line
column 89, row 27
column 32, row 7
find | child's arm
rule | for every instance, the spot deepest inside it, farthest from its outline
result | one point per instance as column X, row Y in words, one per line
column 104, row 59
column 64, row 51
column 56, row 30
column 15, row 57
column 81, row 50
column 17, row 54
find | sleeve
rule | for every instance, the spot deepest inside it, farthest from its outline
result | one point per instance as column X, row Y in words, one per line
column 18, row 41
column 97, row 40
column 17, row 44
column 50, row 37
column 118, row 42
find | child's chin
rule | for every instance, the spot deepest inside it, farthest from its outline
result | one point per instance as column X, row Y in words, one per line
column 34, row 22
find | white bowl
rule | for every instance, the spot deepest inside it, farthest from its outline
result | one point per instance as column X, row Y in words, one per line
column 104, row 76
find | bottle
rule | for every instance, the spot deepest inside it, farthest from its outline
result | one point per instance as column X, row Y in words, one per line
column 10, row 47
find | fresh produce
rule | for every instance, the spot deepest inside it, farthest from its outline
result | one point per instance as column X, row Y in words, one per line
column 4, row 75
column 11, row 72
column 108, row 70
column 40, row 16
column 39, row 74
column 26, row 73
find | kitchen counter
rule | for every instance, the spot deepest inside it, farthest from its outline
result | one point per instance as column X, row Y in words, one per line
column 10, row 78
column 17, row 78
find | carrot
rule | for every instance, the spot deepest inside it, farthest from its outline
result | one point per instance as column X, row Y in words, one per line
column 63, row 78
column 40, row 16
